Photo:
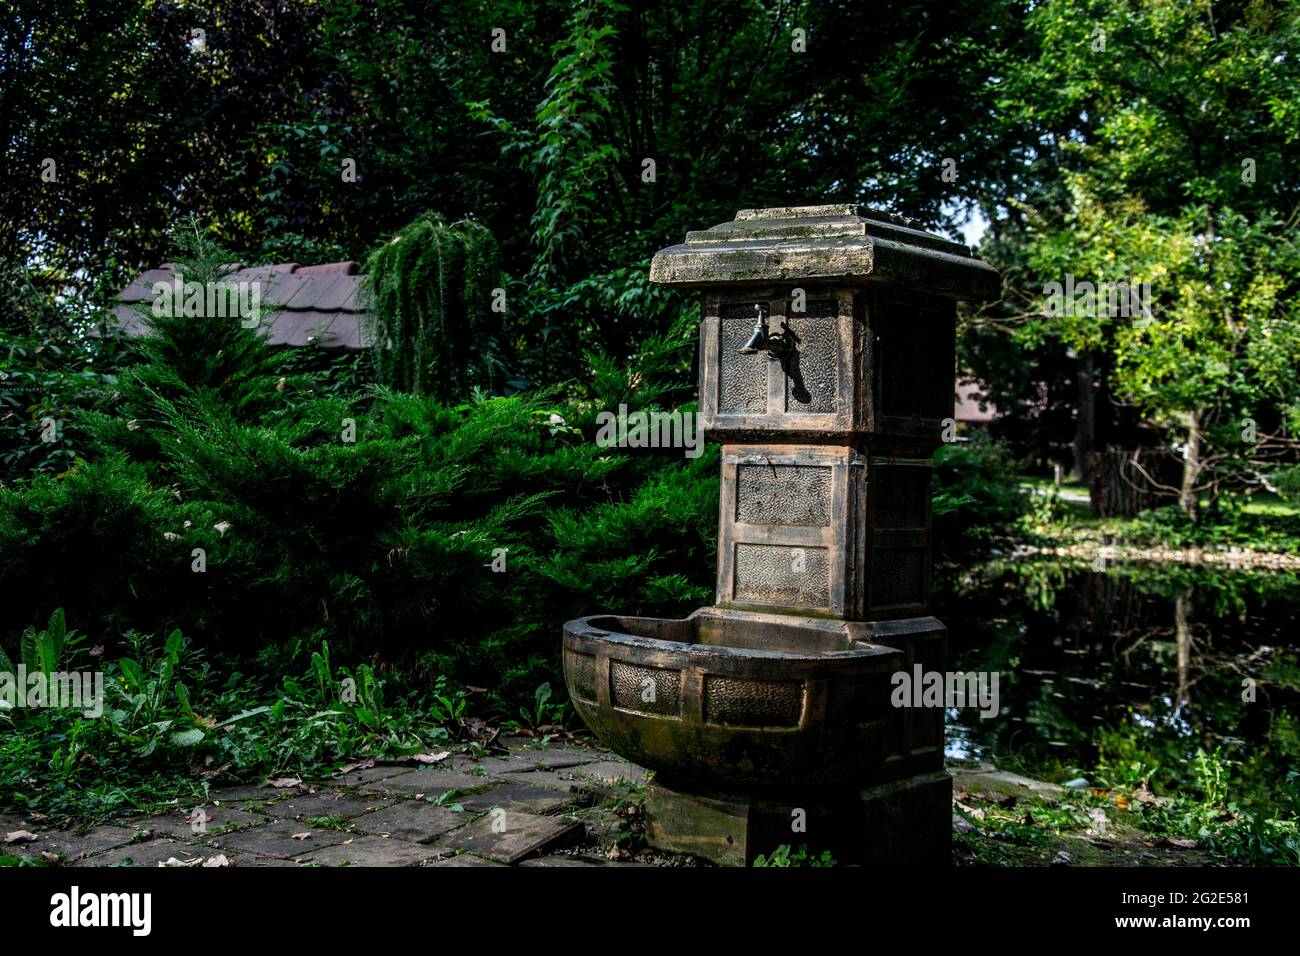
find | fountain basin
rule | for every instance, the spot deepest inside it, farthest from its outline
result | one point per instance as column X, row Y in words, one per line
column 735, row 698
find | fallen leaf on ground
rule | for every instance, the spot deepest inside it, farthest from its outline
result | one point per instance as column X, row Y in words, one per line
column 1145, row 795
column 1177, row 842
column 20, row 836
column 283, row 783
column 173, row 861
column 218, row 860
column 483, row 733
column 301, row 836
column 431, row 758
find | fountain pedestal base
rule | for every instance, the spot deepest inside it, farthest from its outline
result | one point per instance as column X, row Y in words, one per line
column 906, row 822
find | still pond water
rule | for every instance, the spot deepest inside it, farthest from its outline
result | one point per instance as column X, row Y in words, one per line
column 1124, row 675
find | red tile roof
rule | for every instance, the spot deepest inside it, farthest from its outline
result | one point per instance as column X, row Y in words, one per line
column 969, row 408
column 313, row 305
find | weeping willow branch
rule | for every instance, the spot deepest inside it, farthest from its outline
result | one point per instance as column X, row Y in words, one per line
column 430, row 294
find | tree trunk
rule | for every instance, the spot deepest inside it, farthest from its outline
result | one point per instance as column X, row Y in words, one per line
column 1187, row 496
column 1124, row 482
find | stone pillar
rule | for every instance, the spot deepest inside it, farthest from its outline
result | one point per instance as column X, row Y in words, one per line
column 827, row 373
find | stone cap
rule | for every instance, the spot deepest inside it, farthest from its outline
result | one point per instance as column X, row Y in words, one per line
column 828, row 244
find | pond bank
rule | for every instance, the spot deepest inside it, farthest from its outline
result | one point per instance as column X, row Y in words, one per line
column 1235, row 558
column 1006, row 819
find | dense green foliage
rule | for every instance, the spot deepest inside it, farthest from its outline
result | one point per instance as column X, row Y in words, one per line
column 976, row 497
column 543, row 143
column 247, row 508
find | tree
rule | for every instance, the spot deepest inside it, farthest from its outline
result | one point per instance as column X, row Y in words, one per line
column 1175, row 125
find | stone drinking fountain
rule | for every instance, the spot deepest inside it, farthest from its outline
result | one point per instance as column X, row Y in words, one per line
column 826, row 372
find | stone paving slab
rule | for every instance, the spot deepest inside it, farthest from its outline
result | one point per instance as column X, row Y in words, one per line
column 149, row 853
column 524, row 760
column 181, row 825
column 555, row 758
column 251, row 792
column 277, row 839
column 250, row 861
column 430, row 783
column 329, row 803
column 254, row 825
column 564, row 780
column 467, row 859
column 370, row 851
column 523, row 835
column 413, row 820
column 516, row 797
column 73, row 845
column 1001, row 781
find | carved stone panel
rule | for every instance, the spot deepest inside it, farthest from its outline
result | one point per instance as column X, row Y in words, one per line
column 824, row 529
column 772, row 494
column 742, row 379
column 782, row 574
column 778, row 546
column 898, row 537
column 909, row 365
column 810, row 379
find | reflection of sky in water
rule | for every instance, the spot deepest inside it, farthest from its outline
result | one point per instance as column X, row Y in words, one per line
column 957, row 743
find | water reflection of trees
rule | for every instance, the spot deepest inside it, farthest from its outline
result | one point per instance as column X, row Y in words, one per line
column 1131, row 670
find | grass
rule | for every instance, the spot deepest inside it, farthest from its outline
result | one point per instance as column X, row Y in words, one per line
column 1262, row 522
column 1261, row 503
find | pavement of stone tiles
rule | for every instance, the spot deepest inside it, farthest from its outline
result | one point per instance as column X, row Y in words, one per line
column 530, row 807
